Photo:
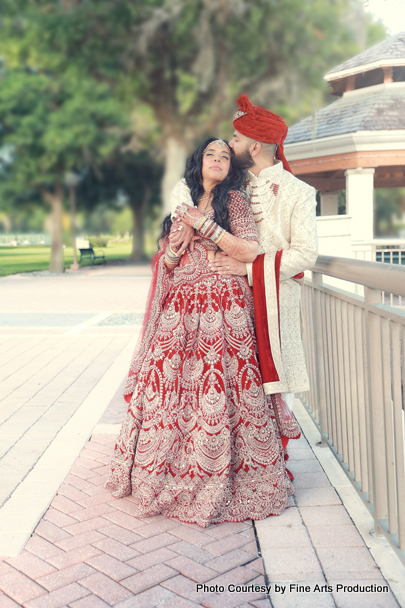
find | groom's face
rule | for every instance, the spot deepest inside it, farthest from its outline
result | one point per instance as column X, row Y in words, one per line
column 240, row 145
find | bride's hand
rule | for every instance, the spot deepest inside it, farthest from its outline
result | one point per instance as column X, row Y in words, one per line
column 189, row 215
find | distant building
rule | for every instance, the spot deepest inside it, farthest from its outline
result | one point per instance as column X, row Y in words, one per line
column 357, row 143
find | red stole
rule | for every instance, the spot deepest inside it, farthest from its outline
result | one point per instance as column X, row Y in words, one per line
column 283, row 417
column 267, row 367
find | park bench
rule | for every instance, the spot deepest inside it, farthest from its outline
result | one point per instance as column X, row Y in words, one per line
column 89, row 252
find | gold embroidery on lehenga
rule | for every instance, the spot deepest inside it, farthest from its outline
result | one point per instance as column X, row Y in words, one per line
column 199, row 441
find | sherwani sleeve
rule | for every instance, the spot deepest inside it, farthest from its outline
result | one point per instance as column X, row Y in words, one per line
column 303, row 249
column 180, row 195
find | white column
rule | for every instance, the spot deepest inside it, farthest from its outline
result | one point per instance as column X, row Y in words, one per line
column 360, row 202
column 329, row 202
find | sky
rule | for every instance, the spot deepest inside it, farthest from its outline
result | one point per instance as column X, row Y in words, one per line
column 391, row 12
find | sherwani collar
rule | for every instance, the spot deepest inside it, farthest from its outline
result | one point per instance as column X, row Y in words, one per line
column 270, row 174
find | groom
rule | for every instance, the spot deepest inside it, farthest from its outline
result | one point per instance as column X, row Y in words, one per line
column 284, row 210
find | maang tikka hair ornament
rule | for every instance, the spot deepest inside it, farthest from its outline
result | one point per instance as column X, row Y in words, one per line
column 219, row 142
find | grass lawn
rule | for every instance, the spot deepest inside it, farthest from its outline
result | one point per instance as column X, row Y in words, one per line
column 27, row 259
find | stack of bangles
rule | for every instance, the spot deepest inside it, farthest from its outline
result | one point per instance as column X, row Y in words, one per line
column 171, row 256
column 209, row 229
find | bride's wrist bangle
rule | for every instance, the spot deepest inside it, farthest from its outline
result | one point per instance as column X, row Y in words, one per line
column 199, row 223
column 206, row 228
column 211, row 231
column 171, row 261
column 170, row 256
column 218, row 238
column 217, row 231
column 213, row 234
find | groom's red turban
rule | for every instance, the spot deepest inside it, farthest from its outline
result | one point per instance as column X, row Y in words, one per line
column 261, row 125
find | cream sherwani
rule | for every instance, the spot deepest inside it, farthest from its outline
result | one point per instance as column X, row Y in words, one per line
column 284, row 210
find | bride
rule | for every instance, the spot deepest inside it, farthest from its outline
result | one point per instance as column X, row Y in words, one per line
column 201, row 441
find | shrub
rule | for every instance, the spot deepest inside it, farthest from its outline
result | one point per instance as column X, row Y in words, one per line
column 100, row 241
column 125, row 238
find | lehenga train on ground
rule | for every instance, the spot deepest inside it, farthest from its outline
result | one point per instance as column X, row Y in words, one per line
column 201, row 441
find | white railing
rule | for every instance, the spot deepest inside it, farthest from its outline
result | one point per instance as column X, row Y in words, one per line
column 389, row 251
column 355, row 350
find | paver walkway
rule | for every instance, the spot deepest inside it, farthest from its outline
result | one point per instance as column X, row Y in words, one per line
column 53, row 352
column 90, row 550
column 43, row 383
column 119, row 288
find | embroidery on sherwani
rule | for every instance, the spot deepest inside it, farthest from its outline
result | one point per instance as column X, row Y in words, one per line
column 262, row 190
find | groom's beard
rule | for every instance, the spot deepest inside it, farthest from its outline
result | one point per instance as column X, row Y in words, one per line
column 243, row 161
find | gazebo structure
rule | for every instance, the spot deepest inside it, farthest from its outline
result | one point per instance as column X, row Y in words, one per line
column 357, row 143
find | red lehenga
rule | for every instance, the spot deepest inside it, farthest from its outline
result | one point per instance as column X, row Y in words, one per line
column 201, row 441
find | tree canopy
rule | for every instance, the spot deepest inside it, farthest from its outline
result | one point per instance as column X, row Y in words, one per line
column 81, row 76
column 49, row 127
column 186, row 59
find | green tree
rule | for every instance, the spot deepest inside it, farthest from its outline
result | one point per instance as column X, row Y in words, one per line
column 49, row 127
column 134, row 177
column 187, row 59
column 389, row 206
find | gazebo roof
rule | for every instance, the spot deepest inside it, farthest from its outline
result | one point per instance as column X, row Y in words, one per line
column 388, row 52
column 363, row 129
column 363, row 110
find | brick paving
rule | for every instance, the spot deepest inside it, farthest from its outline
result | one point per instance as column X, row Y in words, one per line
column 78, row 552
column 41, row 391
column 45, row 377
column 90, row 550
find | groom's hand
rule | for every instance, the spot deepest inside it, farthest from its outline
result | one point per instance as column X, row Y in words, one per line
column 182, row 236
column 225, row 265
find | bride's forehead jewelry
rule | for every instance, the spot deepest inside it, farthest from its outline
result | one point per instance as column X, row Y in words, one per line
column 219, row 142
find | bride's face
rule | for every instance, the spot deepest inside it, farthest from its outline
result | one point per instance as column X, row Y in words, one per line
column 216, row 162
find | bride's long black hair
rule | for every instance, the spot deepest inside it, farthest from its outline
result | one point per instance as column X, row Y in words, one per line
column 233, row 181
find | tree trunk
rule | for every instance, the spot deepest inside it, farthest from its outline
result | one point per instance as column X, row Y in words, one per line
column 175, row 163
column 55, row 200
column 138, row 242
